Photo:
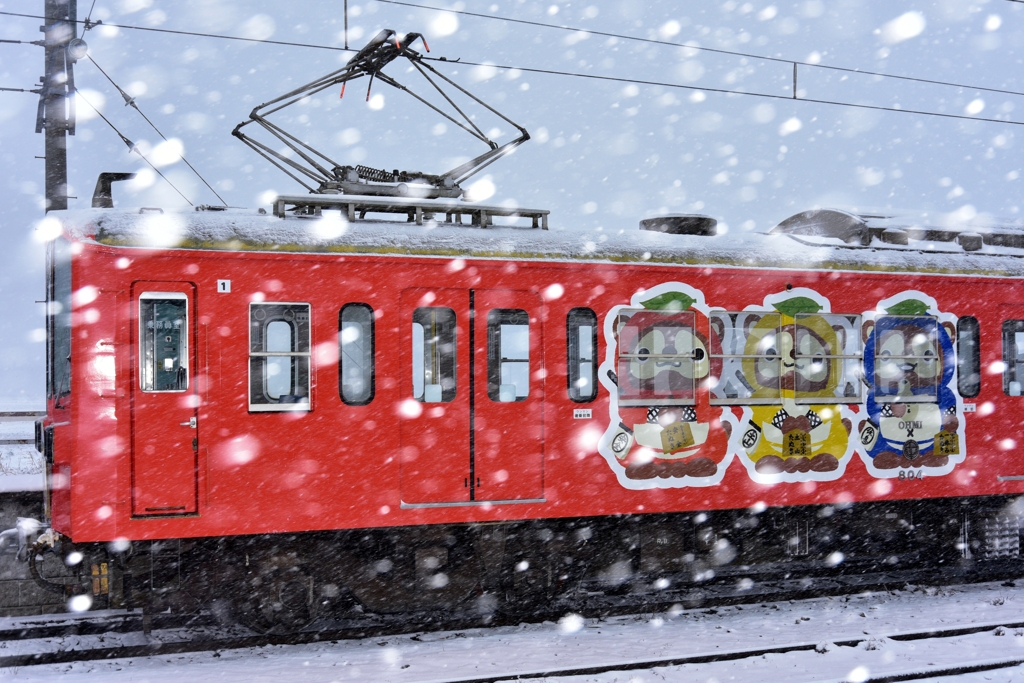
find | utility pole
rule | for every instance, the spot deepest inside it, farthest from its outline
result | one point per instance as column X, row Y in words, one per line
column 56, row 114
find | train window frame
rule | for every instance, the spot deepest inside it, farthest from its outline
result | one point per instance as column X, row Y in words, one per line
column 443, row 362
column 884, row 398
column 368, row 353
column 148, row 343
column 732, row 363
column 575, row 321
column 502, row 365
column 622, row 321
column 1011, row 361
column 853, row 324
column 968, row 341
column 261, row 316
column 59, row 336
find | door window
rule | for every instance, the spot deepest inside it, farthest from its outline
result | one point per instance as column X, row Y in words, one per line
column 1013, row 357
column 508, row 355
column 163, row 321
column 433, row 355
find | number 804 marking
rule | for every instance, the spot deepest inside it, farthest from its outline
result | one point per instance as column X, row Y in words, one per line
column 910, row 475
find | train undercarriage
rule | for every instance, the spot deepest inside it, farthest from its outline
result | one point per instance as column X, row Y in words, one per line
column 511, row 571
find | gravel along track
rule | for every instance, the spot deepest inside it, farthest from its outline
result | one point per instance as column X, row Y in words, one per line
column 911, row 634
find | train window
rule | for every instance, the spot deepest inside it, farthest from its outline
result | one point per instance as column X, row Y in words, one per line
column 968, row 357
column 827, row 358
column 433, row 355
column 762, row 357
column 279, row 371
column 907, row 363
column 1013, row 356
column 581, row 335
column 508, row 355
column 59, row 319
column 355, row 354
column 163, row 335
column 659, row 357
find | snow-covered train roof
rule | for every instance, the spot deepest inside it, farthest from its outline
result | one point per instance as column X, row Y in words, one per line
column 820, row 239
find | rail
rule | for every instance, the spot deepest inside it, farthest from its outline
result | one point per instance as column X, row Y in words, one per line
column 20, row 416
column 417, row 210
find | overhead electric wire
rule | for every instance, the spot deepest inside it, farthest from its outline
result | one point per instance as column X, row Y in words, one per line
column 88, row 17
column 632, row 80
column 188, row 33
column 781, row 60
column 733, row 53
column 129, row 100
column 788, row 98
column 132, row 147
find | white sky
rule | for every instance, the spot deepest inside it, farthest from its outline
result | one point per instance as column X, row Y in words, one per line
column 604, row 153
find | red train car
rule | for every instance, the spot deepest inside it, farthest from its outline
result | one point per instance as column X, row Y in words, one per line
column 427, row 415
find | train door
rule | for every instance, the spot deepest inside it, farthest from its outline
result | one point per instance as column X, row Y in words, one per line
column 471, row 424
column 435, row 406
column 1011, row 320
column 165, row 434
column 508, row 419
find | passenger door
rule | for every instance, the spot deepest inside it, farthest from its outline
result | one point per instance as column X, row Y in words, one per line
column 508, row 420
column 165, row 403
column 434, row 413
column 471, row 416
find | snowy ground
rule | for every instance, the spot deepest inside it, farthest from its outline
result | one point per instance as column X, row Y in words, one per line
column 578, row 643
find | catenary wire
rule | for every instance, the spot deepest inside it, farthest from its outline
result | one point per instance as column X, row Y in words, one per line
column 130, row 101
column 781, row 60
column 88, row 17
column 788, row 98
column 629, row 80
column 189, row 33
column 734, row 53
column 131, row 145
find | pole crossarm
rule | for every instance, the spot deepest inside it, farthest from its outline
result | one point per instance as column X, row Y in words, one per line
column 300, row 159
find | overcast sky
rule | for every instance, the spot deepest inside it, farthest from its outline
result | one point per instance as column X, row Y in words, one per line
column 605, row 152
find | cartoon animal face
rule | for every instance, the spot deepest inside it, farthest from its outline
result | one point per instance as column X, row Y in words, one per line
column 783, row 354
column 664, row 355
column 669, row 338
column 908, row 355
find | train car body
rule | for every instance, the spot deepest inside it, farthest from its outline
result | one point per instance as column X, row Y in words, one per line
column 227, row 374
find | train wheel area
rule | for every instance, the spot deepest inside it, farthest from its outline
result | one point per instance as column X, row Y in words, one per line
column 531, row 570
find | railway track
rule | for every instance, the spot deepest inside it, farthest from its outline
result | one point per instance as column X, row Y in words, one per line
column 955, row 633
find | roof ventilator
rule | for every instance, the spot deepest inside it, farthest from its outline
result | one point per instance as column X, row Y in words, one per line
column 895, row 236
column 970, row 241
column 682, row 224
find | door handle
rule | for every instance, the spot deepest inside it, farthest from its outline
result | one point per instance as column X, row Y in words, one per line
column 191, row 423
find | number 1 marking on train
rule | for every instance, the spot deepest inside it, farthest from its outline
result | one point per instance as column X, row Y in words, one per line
column 224, row 286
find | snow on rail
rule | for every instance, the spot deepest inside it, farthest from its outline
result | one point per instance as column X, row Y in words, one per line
column 843, row 638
